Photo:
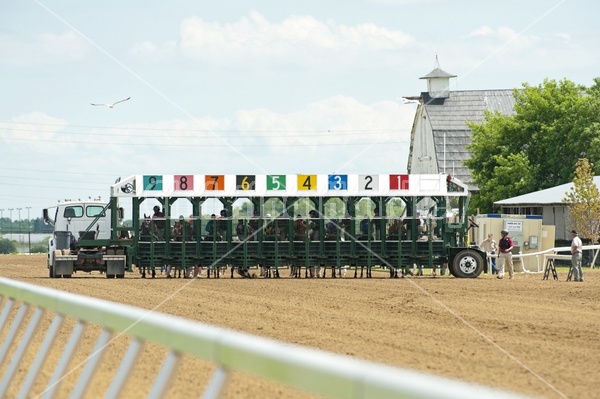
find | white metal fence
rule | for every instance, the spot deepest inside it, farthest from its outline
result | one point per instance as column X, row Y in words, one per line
column 542, row 257
column 313, row 371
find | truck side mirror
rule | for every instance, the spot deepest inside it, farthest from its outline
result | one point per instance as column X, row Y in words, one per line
column 46, row 217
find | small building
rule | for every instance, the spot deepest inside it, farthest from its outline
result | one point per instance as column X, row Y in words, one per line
column 440, row 135
column 528, row 233
column 546, row 203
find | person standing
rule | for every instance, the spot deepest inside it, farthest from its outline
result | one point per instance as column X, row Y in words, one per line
column 576, row 248
column 505, row 256
column 489, row 246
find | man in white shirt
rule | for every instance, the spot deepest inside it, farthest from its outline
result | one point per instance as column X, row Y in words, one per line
column 490, row 247
column 576, row 248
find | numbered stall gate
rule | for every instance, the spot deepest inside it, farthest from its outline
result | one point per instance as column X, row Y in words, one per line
column 275, row 242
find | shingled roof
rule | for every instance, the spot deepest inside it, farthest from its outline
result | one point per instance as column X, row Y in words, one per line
column 448, row 118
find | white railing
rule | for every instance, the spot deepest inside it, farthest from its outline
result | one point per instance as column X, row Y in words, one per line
column 322, row 373
column 542, row 257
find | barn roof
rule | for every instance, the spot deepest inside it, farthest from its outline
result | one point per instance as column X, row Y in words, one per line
column 448, row 118
column 549, row 196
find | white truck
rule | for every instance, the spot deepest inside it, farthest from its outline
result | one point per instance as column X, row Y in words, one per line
column 81, row 240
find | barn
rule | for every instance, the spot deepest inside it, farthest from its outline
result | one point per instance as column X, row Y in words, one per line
column 440, row 134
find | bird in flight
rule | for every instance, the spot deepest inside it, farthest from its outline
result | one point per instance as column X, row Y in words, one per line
column 113, row 104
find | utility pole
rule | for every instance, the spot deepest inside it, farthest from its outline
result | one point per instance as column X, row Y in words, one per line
column 28, row 228
column 19, row 226
column 10, row 210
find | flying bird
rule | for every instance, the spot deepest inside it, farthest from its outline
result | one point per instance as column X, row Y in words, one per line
column 113, row 104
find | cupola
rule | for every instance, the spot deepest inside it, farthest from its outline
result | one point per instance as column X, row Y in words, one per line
column 438, row 82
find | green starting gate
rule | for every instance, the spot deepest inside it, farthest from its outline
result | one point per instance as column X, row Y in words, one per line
column 432, row 231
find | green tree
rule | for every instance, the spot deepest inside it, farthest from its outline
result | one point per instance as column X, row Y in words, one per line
column 7, row 246
column 583, row 201
column 554, row 125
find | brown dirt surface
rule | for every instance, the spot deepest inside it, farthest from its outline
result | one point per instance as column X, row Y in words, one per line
column 527, row 335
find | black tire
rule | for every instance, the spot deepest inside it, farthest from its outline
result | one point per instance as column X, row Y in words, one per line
column 451, row 269
column 67, row 275
column 51, row 271
column 467, row 264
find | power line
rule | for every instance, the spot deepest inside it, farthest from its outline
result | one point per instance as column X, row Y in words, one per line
column 205, row 145
column 213, row 131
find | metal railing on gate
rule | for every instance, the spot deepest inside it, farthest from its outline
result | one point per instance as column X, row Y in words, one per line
column 314, row 371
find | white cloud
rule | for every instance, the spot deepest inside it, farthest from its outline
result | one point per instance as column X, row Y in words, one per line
column 482, row 31
column 295, row 39
column 563, row 36
column 406, row 2
column 503, row 35
column 331, row 134
column 29, row 128
column 149, row 49
column 46, row 48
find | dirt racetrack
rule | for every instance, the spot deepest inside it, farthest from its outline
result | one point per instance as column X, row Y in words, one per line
column 526, row 335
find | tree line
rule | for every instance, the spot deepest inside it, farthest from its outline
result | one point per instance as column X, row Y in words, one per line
column 552, row 138
column 24, row 226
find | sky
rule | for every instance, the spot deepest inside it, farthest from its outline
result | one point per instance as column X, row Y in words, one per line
column 257, row 87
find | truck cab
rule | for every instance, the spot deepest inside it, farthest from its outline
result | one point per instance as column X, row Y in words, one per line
column 76, row 223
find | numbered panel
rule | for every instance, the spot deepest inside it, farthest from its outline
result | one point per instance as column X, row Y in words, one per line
column 307, row 182
column 183, row 182
column 337, row 182
column 399, row 182
column 245, row 182
column 368, row 182
column 276, row 182
column 304, row 185
column 153, row 183
column 214, row 182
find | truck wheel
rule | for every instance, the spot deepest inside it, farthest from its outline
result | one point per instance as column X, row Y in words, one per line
column 467, row 264
column 51, row 271
column 451, row 269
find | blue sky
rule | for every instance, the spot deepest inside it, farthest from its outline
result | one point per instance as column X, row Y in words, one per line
column 265, row 87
